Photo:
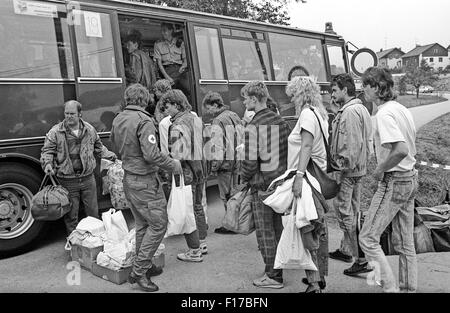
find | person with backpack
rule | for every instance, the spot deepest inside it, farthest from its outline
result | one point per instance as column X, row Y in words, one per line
column 225, row 164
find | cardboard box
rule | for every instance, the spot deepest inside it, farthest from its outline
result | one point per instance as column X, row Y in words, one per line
column 85, row 256
column 115, row 276
column 120, row 276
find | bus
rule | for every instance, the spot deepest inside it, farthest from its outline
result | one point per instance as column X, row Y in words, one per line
column 53, row 51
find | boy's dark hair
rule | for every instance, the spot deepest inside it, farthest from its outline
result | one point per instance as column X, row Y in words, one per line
column 213, row 98
column 177, row 97
column 382, row 78
column 344, row 81
column 134, row 37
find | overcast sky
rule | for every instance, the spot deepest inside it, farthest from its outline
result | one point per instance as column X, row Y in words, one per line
column 378, row 23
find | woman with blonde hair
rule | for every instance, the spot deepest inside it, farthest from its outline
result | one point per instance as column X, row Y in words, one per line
column 304, row 143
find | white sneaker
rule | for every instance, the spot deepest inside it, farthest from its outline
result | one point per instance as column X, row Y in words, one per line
column 192, row 255
column 203, row 246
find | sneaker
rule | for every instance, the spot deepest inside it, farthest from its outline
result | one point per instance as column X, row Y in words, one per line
column 154, row 271
column 267, row 282
column 203, row 247
column 338, row 255
column 357, row 268
column 224, row 231
column 192, row 255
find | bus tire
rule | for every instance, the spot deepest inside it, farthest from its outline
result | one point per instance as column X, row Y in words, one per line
column 18, row 230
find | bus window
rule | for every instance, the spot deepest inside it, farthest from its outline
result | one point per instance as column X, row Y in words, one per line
column 336, row 56
column 95, row 45
column 34, row 43
column 172, row 58
column 208, row 49
column 246, row 59
column 293, row 55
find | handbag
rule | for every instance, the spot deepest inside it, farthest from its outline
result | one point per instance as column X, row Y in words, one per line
column 239, row 215
column 329, row 187
column 51, row 202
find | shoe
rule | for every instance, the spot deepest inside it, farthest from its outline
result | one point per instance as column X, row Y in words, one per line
column 203, row 247
column 145, row 283
column 192, row 255
column 322, row 284
column 357, row 268
column 338, row 255
column 224, row 231
column 313, row 288
column 154, row 271
column 267, row 282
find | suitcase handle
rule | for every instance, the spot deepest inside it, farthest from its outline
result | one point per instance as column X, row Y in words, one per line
column 53, row 179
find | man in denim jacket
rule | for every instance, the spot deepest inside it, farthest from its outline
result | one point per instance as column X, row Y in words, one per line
column 350, row 142
column 69, row 150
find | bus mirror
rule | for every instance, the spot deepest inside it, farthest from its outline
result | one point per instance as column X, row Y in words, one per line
column 362, row 60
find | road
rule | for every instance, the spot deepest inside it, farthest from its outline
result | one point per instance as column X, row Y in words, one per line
column 231, row 264
column 426, row 113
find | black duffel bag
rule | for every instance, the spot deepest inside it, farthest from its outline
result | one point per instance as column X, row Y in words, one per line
column 51, row 202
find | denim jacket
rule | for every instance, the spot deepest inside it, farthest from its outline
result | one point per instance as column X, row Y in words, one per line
column 56, row 151
column 350, row 139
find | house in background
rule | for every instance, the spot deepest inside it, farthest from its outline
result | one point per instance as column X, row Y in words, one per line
column 390, row 58
column 435, row 55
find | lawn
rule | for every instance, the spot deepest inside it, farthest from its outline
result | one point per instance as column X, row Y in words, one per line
column 410, row 101
column 433, row 145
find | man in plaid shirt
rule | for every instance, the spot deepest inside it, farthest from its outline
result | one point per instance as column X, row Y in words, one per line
column 265, row 159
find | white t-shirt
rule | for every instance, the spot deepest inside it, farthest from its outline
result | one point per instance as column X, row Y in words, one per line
column 394, row 123
column 308, row 122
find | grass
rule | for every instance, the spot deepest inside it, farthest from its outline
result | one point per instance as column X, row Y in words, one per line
column 432, row 145
column 410, row 101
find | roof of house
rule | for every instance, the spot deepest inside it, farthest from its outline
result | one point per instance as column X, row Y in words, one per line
column 418, row 50
column 385, row 53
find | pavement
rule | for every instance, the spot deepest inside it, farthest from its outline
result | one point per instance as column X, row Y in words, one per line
column 426, row 113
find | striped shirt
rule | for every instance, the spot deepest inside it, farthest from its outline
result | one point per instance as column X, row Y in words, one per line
column 266, row 149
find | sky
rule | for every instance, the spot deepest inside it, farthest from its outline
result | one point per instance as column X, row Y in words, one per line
column 378, row 24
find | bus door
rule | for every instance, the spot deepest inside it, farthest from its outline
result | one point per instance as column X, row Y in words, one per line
column 208, row 64
column 98, row 76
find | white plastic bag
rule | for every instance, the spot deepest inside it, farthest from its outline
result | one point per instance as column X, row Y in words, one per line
column 115, row 225
column 92, row 225
column 291, row 254
column 180, row 209
column 92, row 242
column 306, row 209
column 115, row 178
column 281, row 199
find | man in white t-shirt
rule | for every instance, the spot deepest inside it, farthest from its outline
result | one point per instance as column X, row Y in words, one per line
column 394, row 136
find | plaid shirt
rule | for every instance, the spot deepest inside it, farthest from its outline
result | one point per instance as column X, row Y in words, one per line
column 266, row 149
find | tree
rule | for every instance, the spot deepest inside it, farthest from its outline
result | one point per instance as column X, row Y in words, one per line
column 274, row 11
column 420, row 76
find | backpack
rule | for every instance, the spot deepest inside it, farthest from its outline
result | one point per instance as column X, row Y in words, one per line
column 51, row 202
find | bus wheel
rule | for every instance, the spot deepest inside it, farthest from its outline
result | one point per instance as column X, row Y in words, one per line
column 18, row 229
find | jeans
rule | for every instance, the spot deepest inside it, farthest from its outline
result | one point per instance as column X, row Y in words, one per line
column 149, row 207
column 393, row 202
column 319, row 257
column 81, row 189
column 347, row 206
column 193, row 239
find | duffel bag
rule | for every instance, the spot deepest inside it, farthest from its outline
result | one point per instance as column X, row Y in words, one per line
column 51, row 202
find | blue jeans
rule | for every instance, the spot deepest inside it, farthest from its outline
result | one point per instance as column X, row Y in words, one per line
column 347, row 206
column 81, row 189
column 393, row 202
column 193, row 239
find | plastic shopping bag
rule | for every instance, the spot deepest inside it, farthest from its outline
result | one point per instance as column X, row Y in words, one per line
column 115, row 225
column 180, row 209
column 291, row 254
column 280, row 201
